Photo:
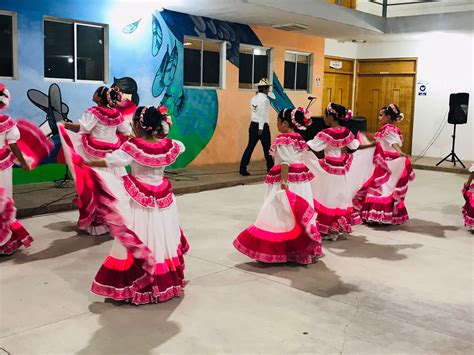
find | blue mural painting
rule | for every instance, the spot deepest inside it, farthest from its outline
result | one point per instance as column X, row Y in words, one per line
column 145, row 44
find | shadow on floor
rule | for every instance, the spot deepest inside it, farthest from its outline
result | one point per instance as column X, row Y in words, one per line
column 60, row 247
column 358, row 246
column 316, row 278
column 454, row 210
column 418, row 226
column 128, row 329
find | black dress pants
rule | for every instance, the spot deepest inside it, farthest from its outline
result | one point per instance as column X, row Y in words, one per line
column 254, row 137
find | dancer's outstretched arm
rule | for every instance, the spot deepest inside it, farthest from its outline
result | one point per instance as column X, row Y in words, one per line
column 469, row 180
column 399, row 150
column 72, row 126
column 96, row 163
column 284, row 176
column 19, row 155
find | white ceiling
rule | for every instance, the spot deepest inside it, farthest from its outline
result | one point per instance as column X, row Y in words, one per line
column 323, row 19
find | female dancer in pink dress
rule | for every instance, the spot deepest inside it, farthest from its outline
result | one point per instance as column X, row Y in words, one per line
column 17, row 138
column 102, row 130
column 146, row 263
column 332, row 186
column 285, row 229
column 468, row 208
column 388, row 205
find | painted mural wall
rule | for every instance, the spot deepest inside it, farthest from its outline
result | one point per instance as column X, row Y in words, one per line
column 147, row 45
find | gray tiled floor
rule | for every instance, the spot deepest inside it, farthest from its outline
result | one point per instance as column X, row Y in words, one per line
column 402, row 289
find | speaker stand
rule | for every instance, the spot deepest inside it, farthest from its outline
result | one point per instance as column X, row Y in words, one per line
column 65, row 181
column 452, row 157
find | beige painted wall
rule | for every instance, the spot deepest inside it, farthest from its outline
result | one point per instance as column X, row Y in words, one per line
column 231, row 135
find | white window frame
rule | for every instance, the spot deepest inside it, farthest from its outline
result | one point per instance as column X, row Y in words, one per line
column 222, row 62
column 310, row 71
column 105, row 28
column 270, row 64
column 13, row 15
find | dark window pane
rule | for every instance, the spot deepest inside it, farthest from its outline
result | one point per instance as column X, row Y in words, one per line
column 260, row 65
column 192, row 62
column 6, row 40
column 290, row 71
column 302, row 72
column 58, row 50
column 90, row 53
column 211, row 64
column 245, row 70
column 245, row 67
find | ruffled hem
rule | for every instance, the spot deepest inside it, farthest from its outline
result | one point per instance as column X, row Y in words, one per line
column 6, row 123
column 7, row 216
column 33, row 143
column 300, row 248
column 389, row 209
column 149, row 196
column 6, row 159
column 373, row 186
column 297, row 173
column 305, row 257
column 372, row 213
column 125, row 280
column 19, row 237
column 95, row 230
column 336, row 138
column 137, row 298
column 335, row 220
column 94, row 199
column 468, row 208
column 383, row 131
column 293, row 139
column 99, row 149
column 163, row 153
column 108, row 116
column 337, row 166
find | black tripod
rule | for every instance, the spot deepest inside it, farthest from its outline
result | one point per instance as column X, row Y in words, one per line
column 65, row 181
column 452, row 156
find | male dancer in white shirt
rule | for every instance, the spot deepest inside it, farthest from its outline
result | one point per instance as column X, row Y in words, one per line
column 259, row 129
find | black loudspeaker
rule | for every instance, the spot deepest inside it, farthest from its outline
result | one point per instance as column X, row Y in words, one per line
column 458, row 107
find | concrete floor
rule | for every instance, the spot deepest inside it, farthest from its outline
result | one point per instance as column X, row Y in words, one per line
column 405, row 289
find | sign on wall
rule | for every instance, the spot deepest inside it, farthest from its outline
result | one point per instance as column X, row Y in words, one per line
column 422, row 88
column 335, row 64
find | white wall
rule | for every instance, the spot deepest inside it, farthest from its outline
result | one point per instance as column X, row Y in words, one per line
column 445, row 62
column 340, row 49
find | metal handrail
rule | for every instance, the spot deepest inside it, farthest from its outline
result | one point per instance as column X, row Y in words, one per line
column 385, row 4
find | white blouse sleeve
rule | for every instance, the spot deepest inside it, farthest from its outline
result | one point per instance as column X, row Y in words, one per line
column 88, row 121
column 392, row 138
column 118, row 159
column 182, row 147
column 354, row 144
column 285, row 154
column 471, row 169
column 317, row 144
column 13, row 135
column 125, row 128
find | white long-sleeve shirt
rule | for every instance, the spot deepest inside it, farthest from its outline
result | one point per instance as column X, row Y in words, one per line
column 259, row 106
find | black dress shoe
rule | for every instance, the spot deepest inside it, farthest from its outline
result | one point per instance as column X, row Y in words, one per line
column 244, row 173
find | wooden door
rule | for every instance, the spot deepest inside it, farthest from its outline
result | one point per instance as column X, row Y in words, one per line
column 338, row 83
column 370, row 98
column 381, row 82
column 399, row 89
